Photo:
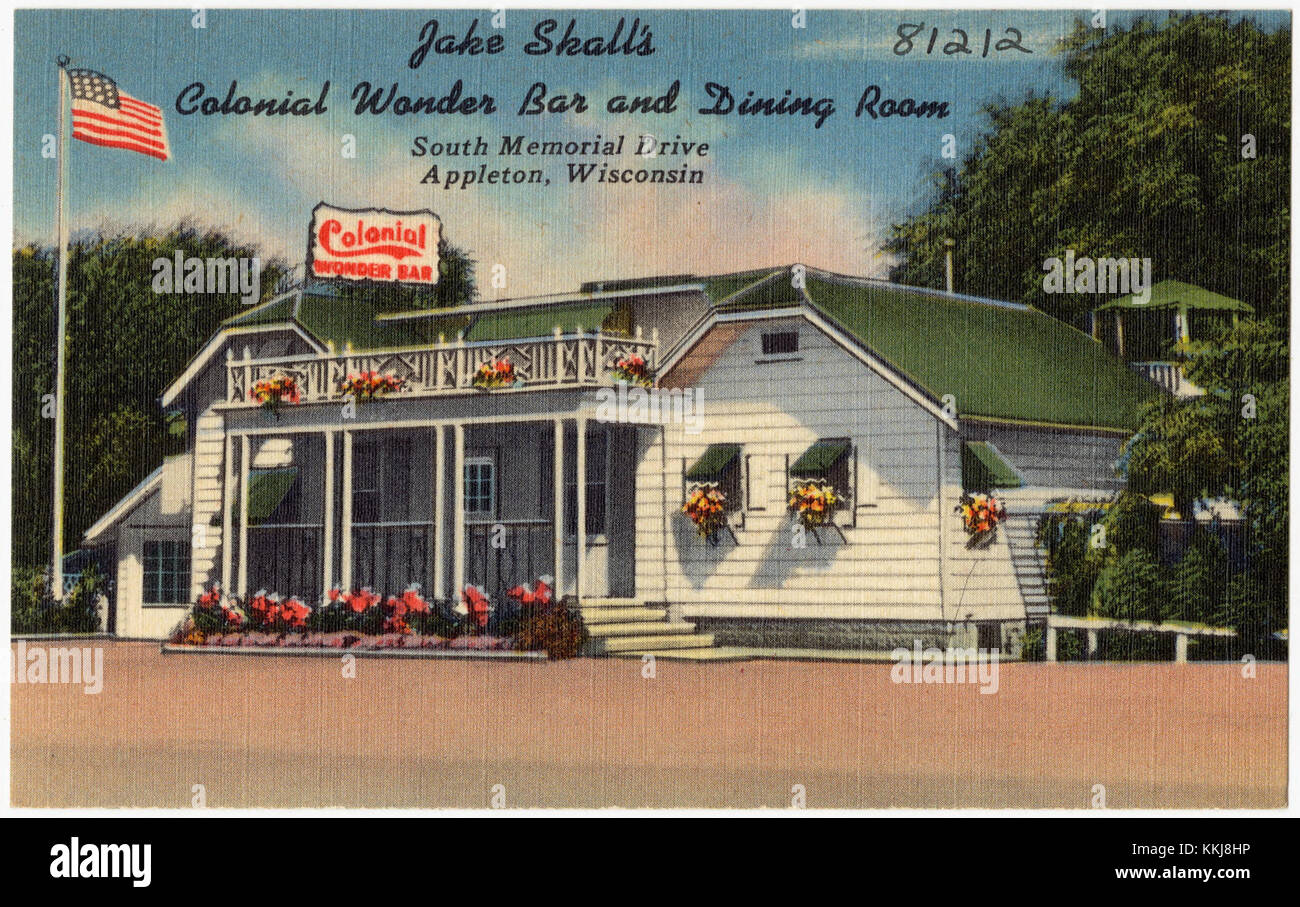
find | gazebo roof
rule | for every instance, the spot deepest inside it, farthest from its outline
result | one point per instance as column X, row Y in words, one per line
column 1174, row 294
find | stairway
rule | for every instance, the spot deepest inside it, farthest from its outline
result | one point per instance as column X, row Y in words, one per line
column 1028, row 561
column 626, row 627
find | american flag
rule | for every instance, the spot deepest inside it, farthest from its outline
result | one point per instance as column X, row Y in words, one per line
column 103, row 114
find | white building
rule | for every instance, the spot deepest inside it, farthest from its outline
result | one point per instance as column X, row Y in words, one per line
column 902, row 398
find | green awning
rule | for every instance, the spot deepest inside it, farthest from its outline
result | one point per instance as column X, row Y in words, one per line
column 1174, row 294
column 983, row 469
column 266, row 491
column 817, row 460
column 715, row 461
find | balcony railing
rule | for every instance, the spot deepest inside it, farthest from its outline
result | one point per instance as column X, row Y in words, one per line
column 1168, row 375
column 557, row 362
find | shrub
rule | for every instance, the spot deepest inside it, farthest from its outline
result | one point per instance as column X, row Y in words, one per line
column 1033, row 645
column 552, row 628
column 1070, row 572
column 1130, row 588
column 1069, row 645
column 1120, row 645
column 35, row 610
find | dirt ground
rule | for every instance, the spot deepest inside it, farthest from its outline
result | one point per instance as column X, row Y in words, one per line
column 293, row 731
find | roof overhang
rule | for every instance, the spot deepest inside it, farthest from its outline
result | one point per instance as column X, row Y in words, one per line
column 218, row 340
column 808, row 313
column 133, row 499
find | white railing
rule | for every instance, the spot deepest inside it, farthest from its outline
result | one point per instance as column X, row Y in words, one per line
column 541, row 363
column 1168, row 375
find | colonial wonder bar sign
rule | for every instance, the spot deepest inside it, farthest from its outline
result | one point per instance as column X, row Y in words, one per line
column 374, row 244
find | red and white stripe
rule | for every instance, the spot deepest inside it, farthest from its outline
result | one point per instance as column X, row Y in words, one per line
column 135, row 126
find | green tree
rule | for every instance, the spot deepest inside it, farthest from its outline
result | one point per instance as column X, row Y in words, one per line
column 1130, row 588
column 1233, row 443
column 124, row 344
column 1147, row 159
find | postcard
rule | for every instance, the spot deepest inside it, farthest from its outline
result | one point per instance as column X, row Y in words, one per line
column 724, row 409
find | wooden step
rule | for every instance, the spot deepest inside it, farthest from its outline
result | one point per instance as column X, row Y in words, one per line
column 708, row 654
column 604, row 615
column 657, row 643
column 642, row 628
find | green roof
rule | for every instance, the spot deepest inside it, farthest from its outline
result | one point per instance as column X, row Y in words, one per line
column 983, row 469
column 1174, row 294
column 715, row 461
column 1000, row 361
column 266, row 491
column 817, row 460
column 539, row 321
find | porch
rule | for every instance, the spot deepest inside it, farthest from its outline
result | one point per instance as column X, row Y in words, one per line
column 442, row 504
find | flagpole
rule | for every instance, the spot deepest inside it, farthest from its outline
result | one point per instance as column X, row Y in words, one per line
column 62, row 231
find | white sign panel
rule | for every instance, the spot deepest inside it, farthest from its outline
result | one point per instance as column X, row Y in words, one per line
column 374, row 244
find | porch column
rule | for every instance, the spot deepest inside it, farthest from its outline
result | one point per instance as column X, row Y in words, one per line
column 1184, row 326
column 1119, row 334
column 345, row 521
column 1180, row 649
column 1051, row 643
column 227, row 517
column 580, row 480
column 458, row 512
column 243, row 515
column 439, row 513
column 558, row 495
column 327, row 534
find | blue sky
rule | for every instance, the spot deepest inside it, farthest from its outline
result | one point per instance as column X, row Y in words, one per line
column 776, row 190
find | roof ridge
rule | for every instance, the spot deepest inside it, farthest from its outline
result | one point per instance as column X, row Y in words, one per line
column 881, row 283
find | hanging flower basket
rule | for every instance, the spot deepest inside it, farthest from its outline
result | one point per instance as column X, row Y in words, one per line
column 980, row 515
column 813, row 502
column 369, row 385
column 492, row 375
column 272, row 393
column 632, row 370
column 706, row 506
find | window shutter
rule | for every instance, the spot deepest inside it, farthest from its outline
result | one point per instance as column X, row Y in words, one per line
column 758, row 491
column 866, row 477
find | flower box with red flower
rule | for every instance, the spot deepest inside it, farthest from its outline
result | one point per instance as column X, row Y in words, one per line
column 491, row 375
column 370, row 385
column 632, row 370
column 272, row 393
column 813, row 502
column 980, row 516
column 706, row 507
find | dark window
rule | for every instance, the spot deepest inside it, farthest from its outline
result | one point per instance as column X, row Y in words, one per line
column 381, row 480
column 166, row 572
column 780, row 343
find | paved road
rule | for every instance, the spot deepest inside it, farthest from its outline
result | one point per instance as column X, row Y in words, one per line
column 280, row 731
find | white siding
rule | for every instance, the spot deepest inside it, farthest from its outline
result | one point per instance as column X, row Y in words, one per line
column 890, row 565
column 209, row 469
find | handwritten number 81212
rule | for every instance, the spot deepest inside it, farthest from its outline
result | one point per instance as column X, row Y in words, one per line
column 908, row 32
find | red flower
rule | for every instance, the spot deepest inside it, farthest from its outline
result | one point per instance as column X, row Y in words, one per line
column 477, row 605
column 415, row 604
